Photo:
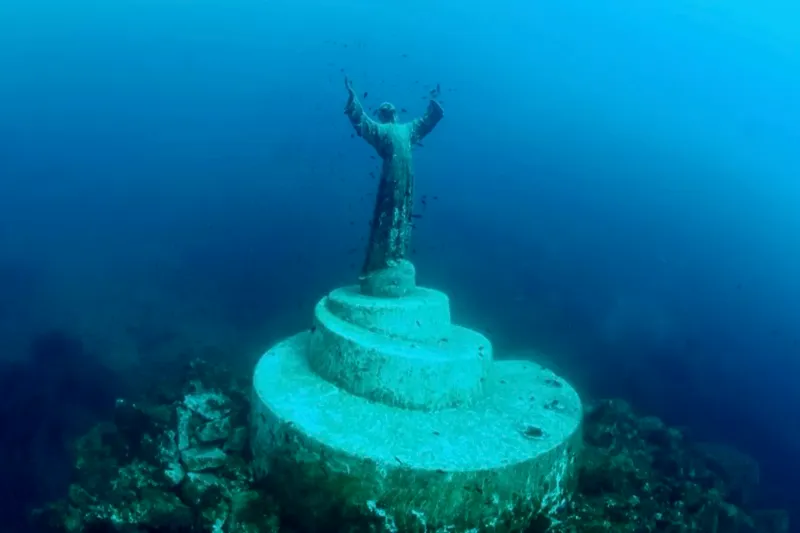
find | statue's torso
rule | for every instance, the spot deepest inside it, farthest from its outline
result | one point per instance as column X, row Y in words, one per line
column 395, row 141
column 391, row 223
column 397, row 173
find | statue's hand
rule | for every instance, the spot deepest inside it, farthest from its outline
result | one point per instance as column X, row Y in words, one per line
column 348, row 83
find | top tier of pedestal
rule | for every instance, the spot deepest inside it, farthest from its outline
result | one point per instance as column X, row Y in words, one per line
column 402, row 351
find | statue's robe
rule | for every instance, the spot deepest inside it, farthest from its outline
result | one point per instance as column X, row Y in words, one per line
column 390, row 233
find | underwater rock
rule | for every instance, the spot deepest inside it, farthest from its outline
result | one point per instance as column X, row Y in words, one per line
column 198, row 460
column 173, row 466
column 155, row 509
column 237, row 441
column 216, row 517
column 640, row 475
column 215, row 430
column 203, row 490
column 637, row 474
column 184, row 427
column 174, row 473
column 251, row 512
column 209, row 405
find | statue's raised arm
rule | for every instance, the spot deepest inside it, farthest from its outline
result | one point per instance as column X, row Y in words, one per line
column 365, row 126
column 425, row 124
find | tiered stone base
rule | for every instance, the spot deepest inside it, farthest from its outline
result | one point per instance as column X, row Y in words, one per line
column 489, row 456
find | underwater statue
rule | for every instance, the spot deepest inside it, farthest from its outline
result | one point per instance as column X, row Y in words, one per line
column 386, row 271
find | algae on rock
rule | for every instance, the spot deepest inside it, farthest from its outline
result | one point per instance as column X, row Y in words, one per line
column 177, row 464
column 640, row 475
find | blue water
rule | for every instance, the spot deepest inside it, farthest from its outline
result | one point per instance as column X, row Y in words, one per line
column 615, row 184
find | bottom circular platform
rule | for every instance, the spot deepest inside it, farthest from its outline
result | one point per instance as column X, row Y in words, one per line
column 339, row 457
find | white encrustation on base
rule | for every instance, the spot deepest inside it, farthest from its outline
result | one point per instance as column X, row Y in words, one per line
column 387, row 417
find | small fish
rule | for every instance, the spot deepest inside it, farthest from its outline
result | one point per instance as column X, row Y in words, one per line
column 416, row 216
column 366, row 94
column 403, row 110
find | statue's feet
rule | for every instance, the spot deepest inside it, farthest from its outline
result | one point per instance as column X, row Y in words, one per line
column 396, row 280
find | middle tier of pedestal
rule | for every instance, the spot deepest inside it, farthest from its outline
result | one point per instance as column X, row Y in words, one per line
column 403, row 352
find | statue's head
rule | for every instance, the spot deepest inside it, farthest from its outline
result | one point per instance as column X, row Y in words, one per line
column 386, row 113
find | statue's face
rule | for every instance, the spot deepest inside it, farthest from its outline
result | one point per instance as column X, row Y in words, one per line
column 387, row 113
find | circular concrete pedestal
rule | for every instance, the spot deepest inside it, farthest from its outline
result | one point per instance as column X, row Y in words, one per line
column 492, row 466
column 347, row 458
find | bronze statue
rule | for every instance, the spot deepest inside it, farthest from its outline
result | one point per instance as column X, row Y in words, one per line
column 390, row 233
